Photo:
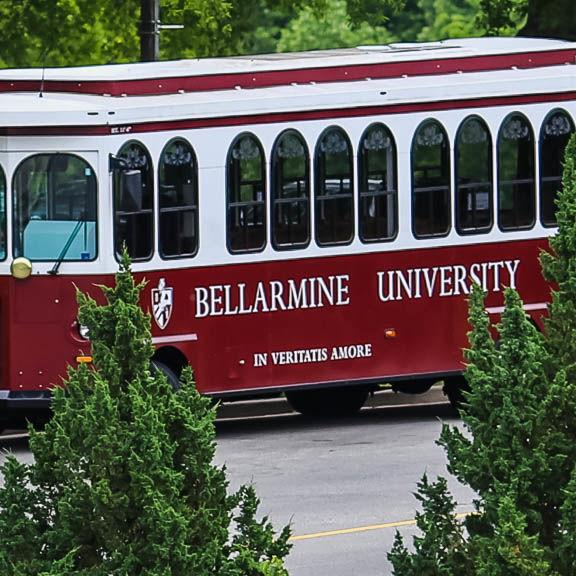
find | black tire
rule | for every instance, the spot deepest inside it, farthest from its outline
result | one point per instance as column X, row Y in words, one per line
column 171, row 376
column 418, row 386
column 328, row 402
column 454, row 388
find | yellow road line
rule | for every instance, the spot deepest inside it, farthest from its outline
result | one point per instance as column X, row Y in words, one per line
column 397, row 524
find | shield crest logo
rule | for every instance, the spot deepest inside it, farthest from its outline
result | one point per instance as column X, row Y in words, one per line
column 162, row 303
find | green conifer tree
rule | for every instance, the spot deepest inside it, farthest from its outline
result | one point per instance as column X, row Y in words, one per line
column 123, row 481
column 518, row 449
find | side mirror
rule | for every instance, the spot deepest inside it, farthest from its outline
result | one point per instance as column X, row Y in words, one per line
column 130, row 191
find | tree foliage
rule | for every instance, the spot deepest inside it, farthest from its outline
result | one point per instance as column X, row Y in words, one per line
column 123, row 480
column 518, row 449
column 79, row 32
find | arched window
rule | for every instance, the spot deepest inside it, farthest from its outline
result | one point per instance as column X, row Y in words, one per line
column 246, row 195
column 54, row 208
column 377, row 184
column 134, row 202
column 290, row 195
column 516, row 195
column 178, row 200
column 554, row 135
column 334, row 204
column 430, row 180
column 474, row 188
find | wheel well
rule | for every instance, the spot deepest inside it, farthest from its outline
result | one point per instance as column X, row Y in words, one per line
column 172, row 357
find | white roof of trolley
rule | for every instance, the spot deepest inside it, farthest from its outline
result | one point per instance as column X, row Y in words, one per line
column 397, row 52
column 260, row 71
column 77, row 103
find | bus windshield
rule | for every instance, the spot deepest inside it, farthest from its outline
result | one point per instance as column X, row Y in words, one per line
column 55, row 204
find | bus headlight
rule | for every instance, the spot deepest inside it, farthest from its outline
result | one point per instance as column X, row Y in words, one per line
column 21, row 268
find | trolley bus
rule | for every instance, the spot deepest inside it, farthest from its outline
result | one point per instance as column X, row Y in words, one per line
column 308, row 224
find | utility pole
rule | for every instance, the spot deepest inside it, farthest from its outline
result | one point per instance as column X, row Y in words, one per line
column 149, row 30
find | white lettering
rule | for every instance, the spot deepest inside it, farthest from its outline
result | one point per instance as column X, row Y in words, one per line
column 202, row 306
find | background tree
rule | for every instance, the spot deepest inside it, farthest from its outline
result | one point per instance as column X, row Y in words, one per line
column 123, row 480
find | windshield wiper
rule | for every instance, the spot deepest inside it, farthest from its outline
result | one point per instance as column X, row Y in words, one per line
column 64, row 251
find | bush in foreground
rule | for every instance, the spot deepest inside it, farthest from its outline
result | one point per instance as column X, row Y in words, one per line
column 518, row 451
column 123, row 481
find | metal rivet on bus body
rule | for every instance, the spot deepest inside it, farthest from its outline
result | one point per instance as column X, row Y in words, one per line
column 242, row 362
column 56, row 301
column 21, row 373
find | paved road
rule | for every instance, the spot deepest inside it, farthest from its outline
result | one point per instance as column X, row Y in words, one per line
column 341, row 477
column 345, row 486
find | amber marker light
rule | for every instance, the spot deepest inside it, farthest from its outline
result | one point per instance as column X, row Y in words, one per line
column 390, row 332
column 21, row 268
column 84, row 359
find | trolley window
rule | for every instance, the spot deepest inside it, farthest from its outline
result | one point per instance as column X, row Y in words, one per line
column 246, row 195
column 377, row 184
column 54, row 208
column 178, row 200
column 430, row 181
column 334, row 204
column 516, row 193
column 134, row 202
column 554, row 136
column 290, row 194
column 474, row 188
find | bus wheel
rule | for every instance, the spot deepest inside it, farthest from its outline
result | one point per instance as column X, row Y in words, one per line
column 417, row 386
column 172, row 377
column 454, row 388
column 328, row 402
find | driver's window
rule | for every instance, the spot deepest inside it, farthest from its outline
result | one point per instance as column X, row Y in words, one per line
column 54, row 208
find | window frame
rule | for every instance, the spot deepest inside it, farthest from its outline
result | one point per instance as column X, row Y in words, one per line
column 179, row 209
column 498, row 173
column 15, row 203
column 4, row 224
column 317, row 178
column 274, row 161
column 263, row 202
column 486, row 229
column 151, row 180
column 385, row 193
column 540, row 161
column 449, row 187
